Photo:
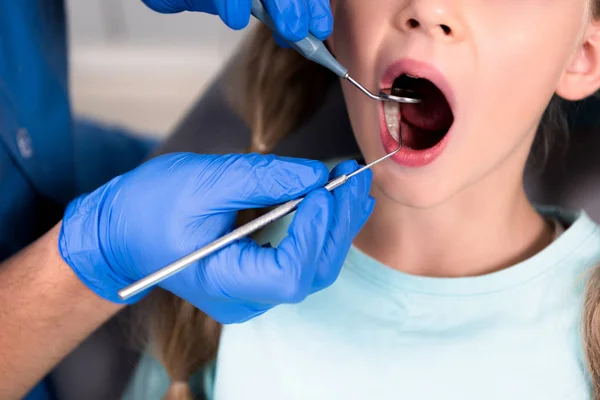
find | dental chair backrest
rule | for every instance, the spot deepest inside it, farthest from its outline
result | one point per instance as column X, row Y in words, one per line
column 572, row 181
column 211, row 126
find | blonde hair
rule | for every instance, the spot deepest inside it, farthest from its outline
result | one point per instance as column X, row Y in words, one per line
column 275, row 90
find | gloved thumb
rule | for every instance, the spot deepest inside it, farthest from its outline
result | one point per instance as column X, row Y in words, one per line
column 235, row 14
column 306, row 240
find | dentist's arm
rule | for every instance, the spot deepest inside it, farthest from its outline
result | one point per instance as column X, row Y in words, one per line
column 62, row 287
column 45, row 311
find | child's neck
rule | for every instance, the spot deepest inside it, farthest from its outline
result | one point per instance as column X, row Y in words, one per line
column 473, row 234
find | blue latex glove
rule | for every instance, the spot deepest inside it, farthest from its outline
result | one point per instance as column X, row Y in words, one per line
column 175, row 204
column 294, row 19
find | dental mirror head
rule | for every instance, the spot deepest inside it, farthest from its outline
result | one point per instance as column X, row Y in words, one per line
column 399, row 95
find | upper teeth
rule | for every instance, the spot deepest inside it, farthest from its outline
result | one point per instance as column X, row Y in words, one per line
column 391, row 110
column 412, row 76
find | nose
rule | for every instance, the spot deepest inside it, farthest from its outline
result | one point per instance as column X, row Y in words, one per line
column 437, row 18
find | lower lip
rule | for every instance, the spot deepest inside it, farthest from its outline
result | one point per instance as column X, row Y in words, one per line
column 409, row 157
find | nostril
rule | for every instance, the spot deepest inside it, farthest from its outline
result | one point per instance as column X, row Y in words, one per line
column 446, row 29
column 413, row 23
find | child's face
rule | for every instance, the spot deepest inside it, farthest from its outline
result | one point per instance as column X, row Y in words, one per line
column 498, row 63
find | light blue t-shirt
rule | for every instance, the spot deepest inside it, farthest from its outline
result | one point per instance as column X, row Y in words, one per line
column 377, row 333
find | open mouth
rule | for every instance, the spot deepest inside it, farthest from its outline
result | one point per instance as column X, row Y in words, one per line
column 422, row 125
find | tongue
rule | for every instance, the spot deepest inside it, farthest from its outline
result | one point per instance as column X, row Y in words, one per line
column 418, row 139
column 432, row 113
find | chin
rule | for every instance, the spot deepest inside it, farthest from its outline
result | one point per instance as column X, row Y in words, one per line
column 416, row 192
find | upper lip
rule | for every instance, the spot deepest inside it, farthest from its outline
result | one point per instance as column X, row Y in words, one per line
column 419, row 69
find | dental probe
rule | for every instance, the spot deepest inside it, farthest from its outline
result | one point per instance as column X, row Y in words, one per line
column 237, row 234
column 315, row 50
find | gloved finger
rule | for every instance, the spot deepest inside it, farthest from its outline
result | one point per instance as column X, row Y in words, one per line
column 254, row 180
column 281, row 41
column 351, row 210
column 271, row 276
column 235, row 13
column 302, row 249
column 369, row 207
column 166, row 7
column 321, row 20
column 290, row 17
column 240, row 315
column 175, row 6
column 237, row 311
column 367, row 203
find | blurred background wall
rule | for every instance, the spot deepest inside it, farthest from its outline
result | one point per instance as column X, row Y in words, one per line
column 140, row 69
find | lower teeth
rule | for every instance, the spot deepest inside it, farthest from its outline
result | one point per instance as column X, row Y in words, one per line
column 391, row 110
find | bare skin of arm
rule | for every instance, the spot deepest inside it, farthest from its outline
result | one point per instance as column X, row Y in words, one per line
column 45, row 312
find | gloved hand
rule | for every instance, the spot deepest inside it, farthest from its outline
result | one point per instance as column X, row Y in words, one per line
column 294, row 19
column 175, row 204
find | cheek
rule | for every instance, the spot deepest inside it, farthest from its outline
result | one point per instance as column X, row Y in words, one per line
column 359, row 28
column 521, row 60
column 358, row 31
column 518, row 65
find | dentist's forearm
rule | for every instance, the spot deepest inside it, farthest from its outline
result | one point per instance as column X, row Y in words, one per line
column 45, row 311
